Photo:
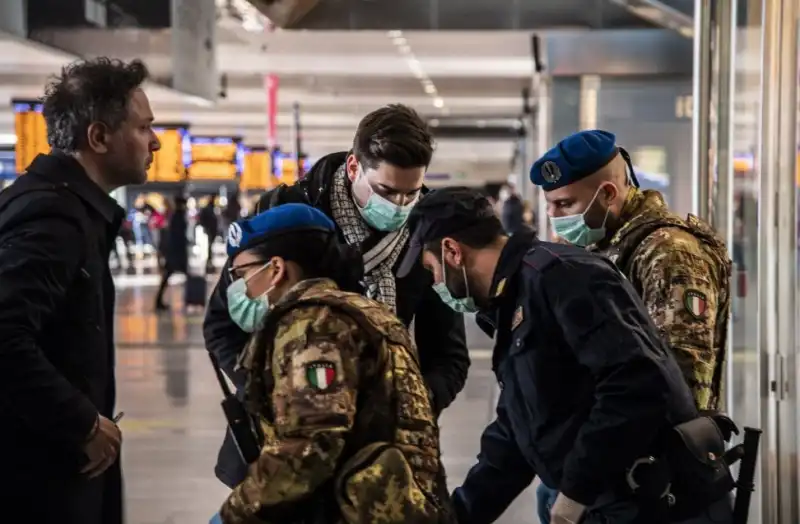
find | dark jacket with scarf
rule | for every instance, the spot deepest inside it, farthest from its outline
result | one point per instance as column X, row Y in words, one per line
column 438, row 331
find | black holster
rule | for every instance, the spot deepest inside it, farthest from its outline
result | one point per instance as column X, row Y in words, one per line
column 692, row 469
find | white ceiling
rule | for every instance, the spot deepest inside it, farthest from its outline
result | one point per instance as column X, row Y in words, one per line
column 336, row 77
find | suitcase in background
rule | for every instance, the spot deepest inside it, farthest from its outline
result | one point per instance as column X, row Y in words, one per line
column 195, row 291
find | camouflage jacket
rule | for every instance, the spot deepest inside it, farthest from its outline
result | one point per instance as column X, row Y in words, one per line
column 682, row 271
column 349, row 432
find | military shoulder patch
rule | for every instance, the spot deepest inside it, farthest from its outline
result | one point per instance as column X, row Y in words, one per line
column 517, row 319
column 320, row 374
column 695, row 303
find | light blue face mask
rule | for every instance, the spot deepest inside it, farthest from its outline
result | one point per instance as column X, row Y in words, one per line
column 248, row 313
column 459, row 305
column 573, row 228
column 382, row 214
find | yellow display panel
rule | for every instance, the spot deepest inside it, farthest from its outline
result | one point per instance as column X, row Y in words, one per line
column 257, row 173
column 167, row 163
column 31, row 133
column 214, row 159
column 288, row 173
column 214, row 152
column 211, row 171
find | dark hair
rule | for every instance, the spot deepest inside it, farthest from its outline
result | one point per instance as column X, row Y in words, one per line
column 395, row 134
column 89, row 91
column 477, row 236
column 319, row 255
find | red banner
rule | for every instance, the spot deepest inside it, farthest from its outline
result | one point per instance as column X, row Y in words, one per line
column 271, row 85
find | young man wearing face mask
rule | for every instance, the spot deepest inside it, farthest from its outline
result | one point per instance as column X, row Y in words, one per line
column 588, row 385
column 368, row 192
column 679, row 267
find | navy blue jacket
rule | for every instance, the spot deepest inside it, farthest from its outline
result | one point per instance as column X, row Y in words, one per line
column 587, row 383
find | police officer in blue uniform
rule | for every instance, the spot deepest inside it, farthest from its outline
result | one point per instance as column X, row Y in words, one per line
column 587, row 384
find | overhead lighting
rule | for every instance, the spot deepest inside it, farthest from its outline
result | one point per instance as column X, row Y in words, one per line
column 404, row 47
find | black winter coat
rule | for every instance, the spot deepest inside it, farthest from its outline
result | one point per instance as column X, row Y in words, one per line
column 57, row 350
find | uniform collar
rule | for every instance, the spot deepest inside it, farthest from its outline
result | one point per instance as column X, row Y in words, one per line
column 636, row 202
column 311, row 286
column 510, row 258
column 64, row 169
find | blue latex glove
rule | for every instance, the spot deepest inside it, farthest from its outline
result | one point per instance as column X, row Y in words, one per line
column 216, row 519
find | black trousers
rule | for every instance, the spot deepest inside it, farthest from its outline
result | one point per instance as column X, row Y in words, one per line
column 610, row 510
column 68, row 501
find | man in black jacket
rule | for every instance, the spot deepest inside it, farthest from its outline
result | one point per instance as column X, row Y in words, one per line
column 59, row 443
column 368, row 192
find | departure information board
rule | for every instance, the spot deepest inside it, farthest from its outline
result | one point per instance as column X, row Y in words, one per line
column 257, row 172
column 31, row 133
column 169, row 162
column 215, row 158
column 287, row 169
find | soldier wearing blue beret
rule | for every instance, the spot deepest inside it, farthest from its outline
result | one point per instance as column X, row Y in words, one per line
column 679, row 266
column 322, row 368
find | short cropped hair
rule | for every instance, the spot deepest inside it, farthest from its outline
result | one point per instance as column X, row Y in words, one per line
column 88, row 91
column 477, row 236
column 394, row 134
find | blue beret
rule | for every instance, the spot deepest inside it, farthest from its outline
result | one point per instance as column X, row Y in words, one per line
column 575, row 157
column 244, row 234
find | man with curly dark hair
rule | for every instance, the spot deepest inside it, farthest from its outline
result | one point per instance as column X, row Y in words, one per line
column 59, row 444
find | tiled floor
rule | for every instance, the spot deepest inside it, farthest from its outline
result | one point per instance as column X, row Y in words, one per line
column 173, row 424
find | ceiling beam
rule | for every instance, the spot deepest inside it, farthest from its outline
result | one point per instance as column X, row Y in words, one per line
column 660, row 14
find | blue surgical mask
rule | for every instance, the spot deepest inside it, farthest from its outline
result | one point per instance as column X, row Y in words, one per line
column 459, row 305
column 573, row 228
column 248, row 313
column 382, row 214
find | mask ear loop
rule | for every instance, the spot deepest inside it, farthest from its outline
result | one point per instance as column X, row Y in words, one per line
column 259, row 270
column 463, row 272
column 631, row 175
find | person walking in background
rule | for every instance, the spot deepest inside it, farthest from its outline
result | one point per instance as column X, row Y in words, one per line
column 209, row 221
column 176, row 249
column 512, row 211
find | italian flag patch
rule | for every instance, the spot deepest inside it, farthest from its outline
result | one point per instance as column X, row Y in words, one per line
column 320, row 374
column 695, row 303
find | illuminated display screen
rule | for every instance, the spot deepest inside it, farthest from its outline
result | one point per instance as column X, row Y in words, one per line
column 31, row 132
column 287, row 169
column 215, row 158
column 168, row 162
column 257, row 172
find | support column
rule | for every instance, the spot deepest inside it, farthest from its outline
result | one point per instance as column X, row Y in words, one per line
column 701, row 96
column 587, row 110
column 544, row 134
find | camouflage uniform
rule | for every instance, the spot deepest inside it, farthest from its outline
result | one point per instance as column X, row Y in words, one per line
column 682, row 272
column 349, row 432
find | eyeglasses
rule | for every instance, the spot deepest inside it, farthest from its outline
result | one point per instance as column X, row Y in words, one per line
column 236, row 272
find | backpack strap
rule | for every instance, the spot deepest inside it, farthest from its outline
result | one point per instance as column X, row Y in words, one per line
column 623, row 257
